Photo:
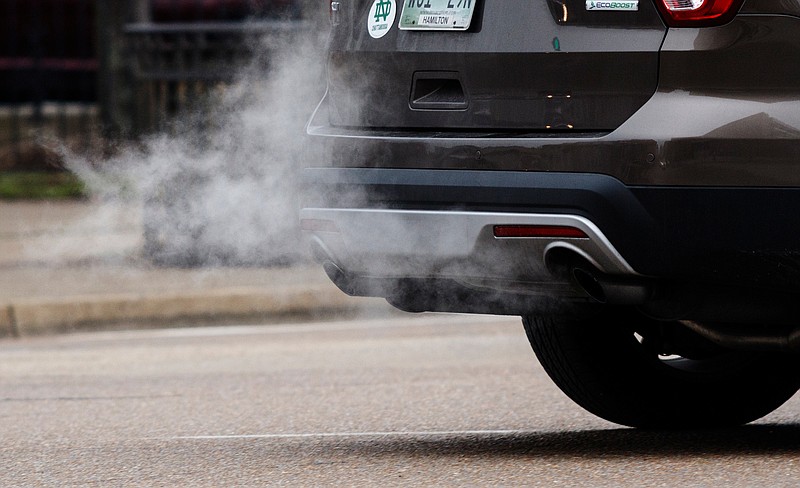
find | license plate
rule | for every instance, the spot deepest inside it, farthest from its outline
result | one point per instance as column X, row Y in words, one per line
column 437, row 14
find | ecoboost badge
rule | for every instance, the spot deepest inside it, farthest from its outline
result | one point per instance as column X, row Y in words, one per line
column 618, row 6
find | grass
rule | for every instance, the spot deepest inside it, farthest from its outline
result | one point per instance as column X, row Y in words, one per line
column 40, row 185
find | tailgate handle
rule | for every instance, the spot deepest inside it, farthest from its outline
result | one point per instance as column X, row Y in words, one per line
column 438, row 90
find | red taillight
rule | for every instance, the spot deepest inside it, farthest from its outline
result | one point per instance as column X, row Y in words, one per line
column 551, row 231
column 698, row 13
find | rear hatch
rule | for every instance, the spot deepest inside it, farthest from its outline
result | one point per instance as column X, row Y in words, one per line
column 521, row 65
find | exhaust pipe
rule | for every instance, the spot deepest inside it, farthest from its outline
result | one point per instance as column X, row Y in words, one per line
column 748, row 340
column 568, row 265
column 610, row 289
column 335, row 273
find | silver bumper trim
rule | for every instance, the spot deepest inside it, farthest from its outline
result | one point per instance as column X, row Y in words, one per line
column 385, row 242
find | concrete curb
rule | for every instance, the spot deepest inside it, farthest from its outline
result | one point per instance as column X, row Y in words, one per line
column 26, row 317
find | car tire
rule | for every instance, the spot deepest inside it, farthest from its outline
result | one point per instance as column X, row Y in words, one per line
column 599, row 362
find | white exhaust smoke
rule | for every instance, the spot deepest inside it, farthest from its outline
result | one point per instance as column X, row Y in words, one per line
column 220, row 187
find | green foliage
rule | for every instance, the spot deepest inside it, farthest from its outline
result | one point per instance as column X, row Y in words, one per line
column 40, row 185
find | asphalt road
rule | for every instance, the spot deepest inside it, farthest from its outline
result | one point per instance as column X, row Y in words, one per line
column 424, row 401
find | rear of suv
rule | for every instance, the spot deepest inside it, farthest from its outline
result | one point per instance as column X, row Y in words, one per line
column 621, row 174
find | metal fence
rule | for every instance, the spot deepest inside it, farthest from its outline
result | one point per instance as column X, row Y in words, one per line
column 83, row 73
column 178, row 66
column 48, row 73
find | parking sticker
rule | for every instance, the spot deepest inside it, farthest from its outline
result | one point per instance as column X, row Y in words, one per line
column 381, row 17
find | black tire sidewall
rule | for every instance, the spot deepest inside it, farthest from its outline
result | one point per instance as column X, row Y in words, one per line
column 597, row 362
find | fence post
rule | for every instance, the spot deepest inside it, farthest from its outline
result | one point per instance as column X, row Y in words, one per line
column 116, row 91
column 141, row 11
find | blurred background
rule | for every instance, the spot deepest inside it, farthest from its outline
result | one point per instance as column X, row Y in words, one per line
column 192, row 108
column 86, row 75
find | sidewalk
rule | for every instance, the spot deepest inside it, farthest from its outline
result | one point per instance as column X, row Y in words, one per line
column 77, row 265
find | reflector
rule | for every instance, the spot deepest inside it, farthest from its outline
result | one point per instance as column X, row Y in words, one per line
column 551, row 231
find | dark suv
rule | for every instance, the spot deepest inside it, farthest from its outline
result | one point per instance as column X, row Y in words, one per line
column 622, row 174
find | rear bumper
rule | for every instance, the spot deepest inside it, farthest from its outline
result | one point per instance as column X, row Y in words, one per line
column 414, row 243
column 461, row 260
column 394, row 224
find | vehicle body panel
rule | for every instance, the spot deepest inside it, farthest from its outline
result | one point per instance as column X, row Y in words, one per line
column 691, row 177
column 727, row 126
column 553, row 83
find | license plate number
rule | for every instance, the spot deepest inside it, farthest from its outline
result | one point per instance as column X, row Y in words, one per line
column 445, row 15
